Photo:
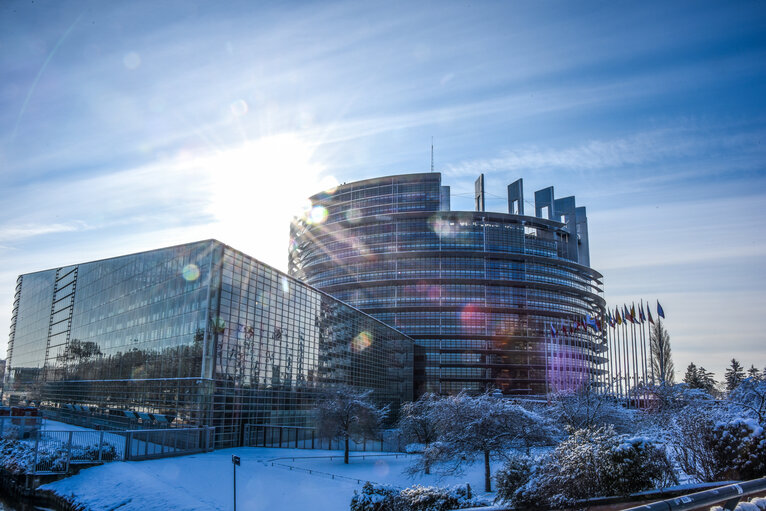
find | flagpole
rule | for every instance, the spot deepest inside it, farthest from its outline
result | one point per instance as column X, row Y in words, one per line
column 547, row 389
column 626, row 351
column 635, row 354
column 610, row 350
column 643, row 344
column 651, row 350
column 618, row 360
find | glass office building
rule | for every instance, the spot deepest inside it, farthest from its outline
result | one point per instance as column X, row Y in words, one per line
column 493, row 300
column 199, row 333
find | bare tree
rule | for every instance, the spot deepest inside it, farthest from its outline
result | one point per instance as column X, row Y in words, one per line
column 484, row 425
column 750, row 395
column 662, row 361
column 418, row 423
column 585, row 408
column 346, row 412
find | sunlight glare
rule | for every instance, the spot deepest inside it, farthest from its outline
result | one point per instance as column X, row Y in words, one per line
column 258, row 187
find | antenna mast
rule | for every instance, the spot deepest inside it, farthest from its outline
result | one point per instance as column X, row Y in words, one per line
column 432, row 154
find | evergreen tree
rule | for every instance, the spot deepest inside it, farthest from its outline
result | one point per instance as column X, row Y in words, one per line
column 753, row 373
column 662, row 360
column 706, row 380
column 692, row 378
column 734, row 375
column 699, row 378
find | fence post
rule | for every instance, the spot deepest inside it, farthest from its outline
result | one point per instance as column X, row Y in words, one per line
column 68, row 451
column 100, row 444
column 37, row 445
column 128, row 442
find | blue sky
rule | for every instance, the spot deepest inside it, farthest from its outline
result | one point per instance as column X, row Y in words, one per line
column 127, row 126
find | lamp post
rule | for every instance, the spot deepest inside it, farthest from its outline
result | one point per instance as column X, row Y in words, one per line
column 235, row 464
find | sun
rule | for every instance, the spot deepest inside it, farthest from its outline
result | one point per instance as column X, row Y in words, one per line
column 256, row 188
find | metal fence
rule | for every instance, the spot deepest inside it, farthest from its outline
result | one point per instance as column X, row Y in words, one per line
column 144, row 444
column 19, row 427
column 43, row 451
column 259, row 435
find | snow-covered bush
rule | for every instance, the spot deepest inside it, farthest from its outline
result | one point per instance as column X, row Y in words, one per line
column 11, row 432
column 756, row 504
column 416, row 498
column 19, row 457
column 740, row 449
column 376, row 498
column 595, row 462
column 514, row 474
column 90, row 453
column 588, row 408
column 16, row 457
column 750, row 398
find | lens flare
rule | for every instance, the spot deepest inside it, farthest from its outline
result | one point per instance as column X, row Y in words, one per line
column 381, row 468
column 190, row 272
column 131, row 60
column 353, row 215
column 317, row 215
column 238, row 107
column 443, row 227
column 361, row 342
column 471, row 317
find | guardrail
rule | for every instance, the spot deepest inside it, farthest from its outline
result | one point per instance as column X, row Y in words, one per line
column 729, row 495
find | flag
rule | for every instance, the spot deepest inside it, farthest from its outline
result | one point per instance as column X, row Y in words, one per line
column 641, row 314
column 649, row 311
column 617, row 315
column 660, row 312
column 633, row 312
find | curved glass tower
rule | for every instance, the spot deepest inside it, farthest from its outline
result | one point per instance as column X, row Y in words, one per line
column 493, row 300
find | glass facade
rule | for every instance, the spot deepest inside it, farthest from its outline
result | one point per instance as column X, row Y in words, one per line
column 480, row 292
column 200, row 333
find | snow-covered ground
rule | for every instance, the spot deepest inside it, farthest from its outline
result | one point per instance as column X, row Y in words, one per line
column 204, row 481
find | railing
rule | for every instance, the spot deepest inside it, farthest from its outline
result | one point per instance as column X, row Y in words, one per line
column 295, row 437
column 18, row 427
column 728, row 495
column 145, row 444
column 41, row 451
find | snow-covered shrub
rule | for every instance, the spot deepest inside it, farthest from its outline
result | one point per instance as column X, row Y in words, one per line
column 692, row 443
column 376, row 498
column 740, row 449
column 90, row 453
column 588, row 408
column 595, row 462
column 417, row 498
column 432, row 498
column 756, row 504
column 750, row 398
column 16, row 457
column 514, row 474
column 11, row 432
